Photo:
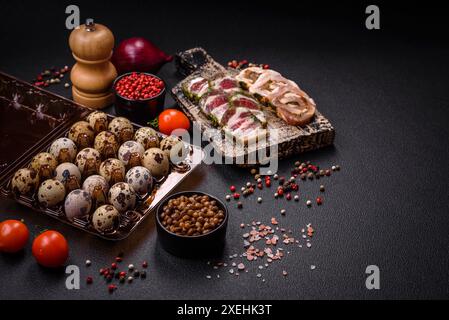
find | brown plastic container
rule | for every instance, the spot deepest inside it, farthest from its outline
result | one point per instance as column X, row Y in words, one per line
column 31, row 119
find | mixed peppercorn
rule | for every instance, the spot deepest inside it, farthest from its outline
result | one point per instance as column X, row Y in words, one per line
column 285, row 189
column 113, row 273
column 51, row 76
column 242, row 64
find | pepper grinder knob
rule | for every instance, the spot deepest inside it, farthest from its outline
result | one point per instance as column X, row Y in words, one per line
column 90, row 25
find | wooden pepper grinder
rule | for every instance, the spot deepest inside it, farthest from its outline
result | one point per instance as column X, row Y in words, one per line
column 93, row 73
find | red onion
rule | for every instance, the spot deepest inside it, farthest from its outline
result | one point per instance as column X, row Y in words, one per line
column 139, row 54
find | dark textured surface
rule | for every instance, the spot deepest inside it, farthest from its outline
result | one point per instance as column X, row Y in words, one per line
column 386, row 93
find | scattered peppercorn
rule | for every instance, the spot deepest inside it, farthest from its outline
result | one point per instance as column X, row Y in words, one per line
column 111, row 288
column 280, row 191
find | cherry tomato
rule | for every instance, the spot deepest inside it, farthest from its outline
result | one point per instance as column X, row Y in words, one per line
column 13, row 236
column 50, row 249
column 172, row 119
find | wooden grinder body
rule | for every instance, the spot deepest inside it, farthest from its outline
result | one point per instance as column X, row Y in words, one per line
column 93, row 74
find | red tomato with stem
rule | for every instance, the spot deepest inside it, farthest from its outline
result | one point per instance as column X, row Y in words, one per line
column 50, row 249
column 172, row 119
column 14, row 236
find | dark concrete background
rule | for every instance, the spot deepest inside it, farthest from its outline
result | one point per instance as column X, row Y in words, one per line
column 385, row 92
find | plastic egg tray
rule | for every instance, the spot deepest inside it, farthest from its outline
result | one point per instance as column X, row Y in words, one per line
column 130, row 219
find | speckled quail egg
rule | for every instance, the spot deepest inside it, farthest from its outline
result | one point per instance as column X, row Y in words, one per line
column 82, row 134
column 25, row 181
column 128, row 152
column 173, row 148
column 105, row 219
column 140, row 179
column 122, row 196
column 88, row 161
column 51, row 192
column 107, row 144
column 45, row 164
column 69, row 175
column 147, row 137
column 113, row 170
column 77, row 204
column 98, row 188
column 122, row 128
column 98, row 121
column 64, row 150
column 155, row 160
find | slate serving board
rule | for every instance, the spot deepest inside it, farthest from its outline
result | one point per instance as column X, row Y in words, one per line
column 290, row 140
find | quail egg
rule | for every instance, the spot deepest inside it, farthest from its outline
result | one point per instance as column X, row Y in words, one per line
column 51, row 192
column 122, row 128
column 25, row 181
column 82, row 134
column 64, row 150
column 173, row 148
column 113, row 170
column 140, row 179
column 45, row 164
column 98, row 121
column 122, row 196
column 147, row 137
column 131, row 153
column 77, row 204
column 105, row 218
column 88, row 161
column 155, row 160
column 107, row 144
column 98, row 188
column 69, row 175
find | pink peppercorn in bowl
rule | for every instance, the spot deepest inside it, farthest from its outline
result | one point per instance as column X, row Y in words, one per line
column 140, row 96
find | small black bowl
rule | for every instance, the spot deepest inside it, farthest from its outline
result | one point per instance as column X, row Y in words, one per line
column 139, row 111
column 205, row 245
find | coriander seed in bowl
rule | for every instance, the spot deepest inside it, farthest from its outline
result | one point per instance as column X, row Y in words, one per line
column 192, row 224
